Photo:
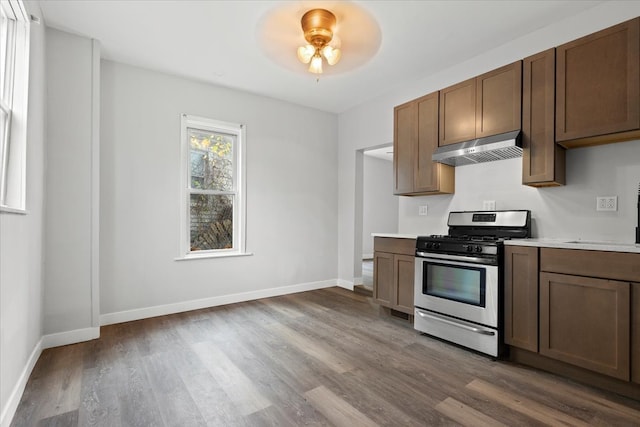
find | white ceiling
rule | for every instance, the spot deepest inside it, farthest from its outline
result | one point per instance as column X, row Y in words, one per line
column 220, row 42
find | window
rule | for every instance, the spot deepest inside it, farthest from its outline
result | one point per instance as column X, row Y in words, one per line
column 213, row 207
column 14, row 84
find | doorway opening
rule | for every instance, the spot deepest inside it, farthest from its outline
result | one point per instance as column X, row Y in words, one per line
column 376, row 209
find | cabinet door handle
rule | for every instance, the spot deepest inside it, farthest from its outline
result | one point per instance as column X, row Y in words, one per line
column 454, row 323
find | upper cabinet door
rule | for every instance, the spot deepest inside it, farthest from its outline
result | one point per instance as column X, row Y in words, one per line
column 486, row 105
column 598, row 89
column 403, row 147
column 458, row 112
column 415, row 138
column 426, row 171
column 543, row 161
column 499, row 100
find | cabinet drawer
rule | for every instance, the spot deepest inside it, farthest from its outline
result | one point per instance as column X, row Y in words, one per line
column 606, row 265
column 394, row 245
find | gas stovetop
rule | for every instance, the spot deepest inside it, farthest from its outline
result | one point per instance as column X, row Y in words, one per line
column 480, row 233
column 456, row 246
column 465, row 238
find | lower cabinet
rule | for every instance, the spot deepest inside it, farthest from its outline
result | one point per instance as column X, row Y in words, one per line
column 393, row 273
column 585, row 321
column 635, row 333
column 521, row 297
column 579, row 307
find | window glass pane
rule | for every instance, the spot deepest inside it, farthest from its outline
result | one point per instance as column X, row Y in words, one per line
column 4, row 134
column 211, row 220
column 7, row 39
column 211, row 158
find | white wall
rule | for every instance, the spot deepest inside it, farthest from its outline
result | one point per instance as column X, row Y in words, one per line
column 380, row 206
column 21, row 249
column 68, row 268
column 554, row 209
column 291, row 194
column 557, row 212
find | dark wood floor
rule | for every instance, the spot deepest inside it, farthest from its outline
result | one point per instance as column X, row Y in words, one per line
column 327, row 357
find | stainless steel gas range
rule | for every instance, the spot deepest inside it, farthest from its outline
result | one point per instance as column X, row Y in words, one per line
column 459, row 278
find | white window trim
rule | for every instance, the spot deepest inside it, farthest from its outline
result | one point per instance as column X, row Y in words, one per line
column 13, row 183
column 239, row 211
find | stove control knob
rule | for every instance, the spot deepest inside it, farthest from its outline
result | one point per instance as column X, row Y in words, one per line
column 436, row 245
column 478, row 248
column 469, row 248
column 429, row 245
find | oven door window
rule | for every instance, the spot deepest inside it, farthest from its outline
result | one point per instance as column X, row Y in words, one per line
column 454, row 282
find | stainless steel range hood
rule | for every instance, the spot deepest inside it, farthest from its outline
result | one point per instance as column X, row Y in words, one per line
column 497, row 147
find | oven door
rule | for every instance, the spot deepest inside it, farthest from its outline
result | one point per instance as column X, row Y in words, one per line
column 457, row 286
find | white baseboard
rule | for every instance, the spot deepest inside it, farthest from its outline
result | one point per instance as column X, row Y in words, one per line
column 9, row 409
column 345, row 284
column 161, row 310
column 70, row 337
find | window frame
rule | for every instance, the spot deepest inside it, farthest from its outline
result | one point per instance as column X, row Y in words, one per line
column 239, row 190
column 13, row 149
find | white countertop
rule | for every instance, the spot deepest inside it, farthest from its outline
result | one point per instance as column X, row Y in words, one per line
column 395, row 235
column 589, row 245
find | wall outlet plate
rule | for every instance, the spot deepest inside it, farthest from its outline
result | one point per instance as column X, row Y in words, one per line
column 607, row 203
column 422, row 210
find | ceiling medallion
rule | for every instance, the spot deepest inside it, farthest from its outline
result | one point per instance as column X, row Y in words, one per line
column 353, row 31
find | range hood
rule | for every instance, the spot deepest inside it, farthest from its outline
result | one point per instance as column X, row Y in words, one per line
column 497, row 147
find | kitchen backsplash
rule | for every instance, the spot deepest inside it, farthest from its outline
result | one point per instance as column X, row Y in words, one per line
column 557, row 212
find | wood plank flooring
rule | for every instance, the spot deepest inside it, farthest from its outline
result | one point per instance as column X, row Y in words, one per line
column 320, row 358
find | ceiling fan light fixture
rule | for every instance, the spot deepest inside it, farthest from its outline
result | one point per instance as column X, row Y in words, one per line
column 331, row 54
column 316, row 64
column 318, row 26
column 305, row 53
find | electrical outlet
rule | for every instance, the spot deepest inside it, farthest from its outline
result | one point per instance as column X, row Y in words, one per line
column 607, row 203
column 422, row 210
column 489, row 205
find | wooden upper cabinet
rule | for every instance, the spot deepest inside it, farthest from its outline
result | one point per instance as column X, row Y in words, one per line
column 415, row 139
column 458, row 112
column 486, row 105
column 543, row 161
column 403, row 147
column 498, row 100
column 598, row 89
column 427, row 172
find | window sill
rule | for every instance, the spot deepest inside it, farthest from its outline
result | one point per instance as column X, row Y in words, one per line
column 17, row 211
column 212, row 255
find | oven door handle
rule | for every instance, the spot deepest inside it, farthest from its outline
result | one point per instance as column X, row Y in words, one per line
column 468, row 259
column 454, row 323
